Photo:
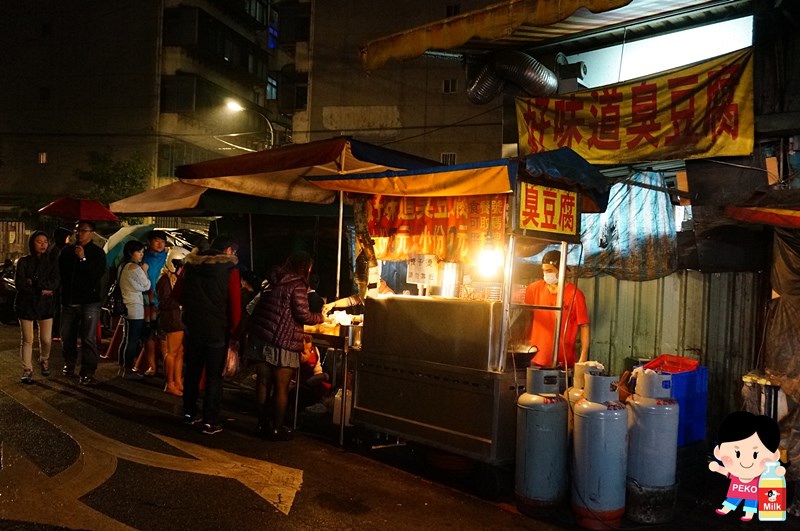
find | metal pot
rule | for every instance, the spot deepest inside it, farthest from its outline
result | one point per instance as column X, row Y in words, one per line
column 353, row 335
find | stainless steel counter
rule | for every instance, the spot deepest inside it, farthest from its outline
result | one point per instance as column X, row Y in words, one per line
column 427, row 372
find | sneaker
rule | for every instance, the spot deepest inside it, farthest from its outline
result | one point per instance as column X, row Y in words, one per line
column 211, row 429
column 88, row 380
column 284, row 433
column 191, row 420
column 27, row 378
column 127, row 374
column 45, row 367
column 68, row 370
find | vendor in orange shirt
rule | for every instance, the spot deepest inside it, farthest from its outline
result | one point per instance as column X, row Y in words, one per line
column 544, row 293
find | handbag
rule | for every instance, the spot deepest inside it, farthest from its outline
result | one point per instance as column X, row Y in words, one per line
column 114, row 302
column 231, row 360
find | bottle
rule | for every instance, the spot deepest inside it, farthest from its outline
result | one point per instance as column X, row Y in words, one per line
column 771, row 495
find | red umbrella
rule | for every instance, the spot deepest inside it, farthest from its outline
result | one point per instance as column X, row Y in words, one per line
column 77, row 209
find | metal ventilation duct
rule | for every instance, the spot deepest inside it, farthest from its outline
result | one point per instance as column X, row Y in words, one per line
column 510, row 66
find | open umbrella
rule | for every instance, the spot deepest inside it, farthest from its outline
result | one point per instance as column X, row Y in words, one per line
column 117, row 241
column 76, row 209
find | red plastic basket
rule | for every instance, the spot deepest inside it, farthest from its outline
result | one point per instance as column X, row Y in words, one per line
column 672, row 363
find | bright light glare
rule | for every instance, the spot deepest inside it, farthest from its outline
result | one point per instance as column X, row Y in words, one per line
column 489, row 261
column 657, row 54
column 234, row 106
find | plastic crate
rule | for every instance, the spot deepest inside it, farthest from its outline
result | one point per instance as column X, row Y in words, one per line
column 690, row 388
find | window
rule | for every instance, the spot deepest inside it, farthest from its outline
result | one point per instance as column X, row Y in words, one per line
column 43, row 157
column 452, row 10
column 257, row 10
column 448, row 159
column 272, row 89
column 272, row 31
column 449, row 86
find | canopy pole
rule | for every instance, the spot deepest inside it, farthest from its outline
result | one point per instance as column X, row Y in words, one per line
column 339, row 249
column 250, row 223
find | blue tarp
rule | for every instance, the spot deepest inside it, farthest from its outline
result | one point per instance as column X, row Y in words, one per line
column 634, row 239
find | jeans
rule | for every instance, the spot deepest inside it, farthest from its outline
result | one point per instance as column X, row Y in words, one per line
column 80, row 320
column 130, row 346
column 197, row 358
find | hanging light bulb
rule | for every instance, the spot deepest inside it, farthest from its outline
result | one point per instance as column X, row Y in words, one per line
column 490, row 259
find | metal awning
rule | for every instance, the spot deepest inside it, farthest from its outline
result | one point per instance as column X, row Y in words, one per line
column 524, row 24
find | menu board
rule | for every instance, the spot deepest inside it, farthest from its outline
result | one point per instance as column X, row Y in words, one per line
column 423, row 269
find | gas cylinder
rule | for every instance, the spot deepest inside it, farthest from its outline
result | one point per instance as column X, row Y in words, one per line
column 575, row 392
column 652, row 449
column 599, row 455
column 541, row 468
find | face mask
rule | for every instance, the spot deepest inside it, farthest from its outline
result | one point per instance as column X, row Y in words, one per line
column 551, row 278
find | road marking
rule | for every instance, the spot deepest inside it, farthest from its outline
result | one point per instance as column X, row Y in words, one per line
column 24, row 500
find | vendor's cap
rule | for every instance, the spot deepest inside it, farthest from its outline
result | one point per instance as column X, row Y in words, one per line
column 552, row 257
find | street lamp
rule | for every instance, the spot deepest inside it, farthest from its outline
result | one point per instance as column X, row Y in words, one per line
column 236, row 107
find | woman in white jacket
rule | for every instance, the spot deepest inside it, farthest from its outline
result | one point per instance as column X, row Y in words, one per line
column 133, row 282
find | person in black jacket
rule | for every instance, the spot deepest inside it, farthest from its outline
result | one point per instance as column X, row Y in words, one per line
column 36, row 280
column 209, row 290
column 61, row 238
column 81, row 266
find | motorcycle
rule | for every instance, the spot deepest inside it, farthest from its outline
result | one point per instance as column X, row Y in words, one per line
column 8, row 291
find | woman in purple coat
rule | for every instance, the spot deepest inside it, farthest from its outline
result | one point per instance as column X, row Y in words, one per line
column 276, row 330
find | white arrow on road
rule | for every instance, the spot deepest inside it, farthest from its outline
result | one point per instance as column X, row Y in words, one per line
column 24, row 488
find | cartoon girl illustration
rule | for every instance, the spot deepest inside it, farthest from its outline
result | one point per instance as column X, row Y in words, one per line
column 745, row 443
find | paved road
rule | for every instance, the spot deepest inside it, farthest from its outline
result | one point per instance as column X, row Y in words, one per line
column 115, row 456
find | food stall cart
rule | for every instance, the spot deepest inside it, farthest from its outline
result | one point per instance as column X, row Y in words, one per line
column 447, row 371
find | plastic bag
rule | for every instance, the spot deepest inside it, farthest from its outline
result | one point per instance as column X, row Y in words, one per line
column 232, row 360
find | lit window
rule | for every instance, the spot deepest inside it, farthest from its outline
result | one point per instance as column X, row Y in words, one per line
column 449, row 86
column 448, row 159
column 43, row 157
column 272, row 89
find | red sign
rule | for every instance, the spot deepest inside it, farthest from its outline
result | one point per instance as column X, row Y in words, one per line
column 452, row 228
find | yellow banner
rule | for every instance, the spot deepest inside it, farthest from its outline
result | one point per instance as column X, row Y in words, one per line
column 548, row 210
column 703, row 110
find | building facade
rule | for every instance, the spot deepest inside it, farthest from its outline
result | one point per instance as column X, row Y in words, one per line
column 144, row 80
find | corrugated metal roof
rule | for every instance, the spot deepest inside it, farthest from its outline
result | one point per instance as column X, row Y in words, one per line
column 537, row 24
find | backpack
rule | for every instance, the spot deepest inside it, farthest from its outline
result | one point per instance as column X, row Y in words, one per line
column 114, row 301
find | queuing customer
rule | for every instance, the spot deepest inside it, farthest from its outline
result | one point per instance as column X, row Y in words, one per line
column 133, row 282
column 36, row 280
column 209, row 290
column 155, row 256
column 315, row 301
column 170, row 325
column 60, row 240
column 81, row 266
column 574, row 317
column 277, row 336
